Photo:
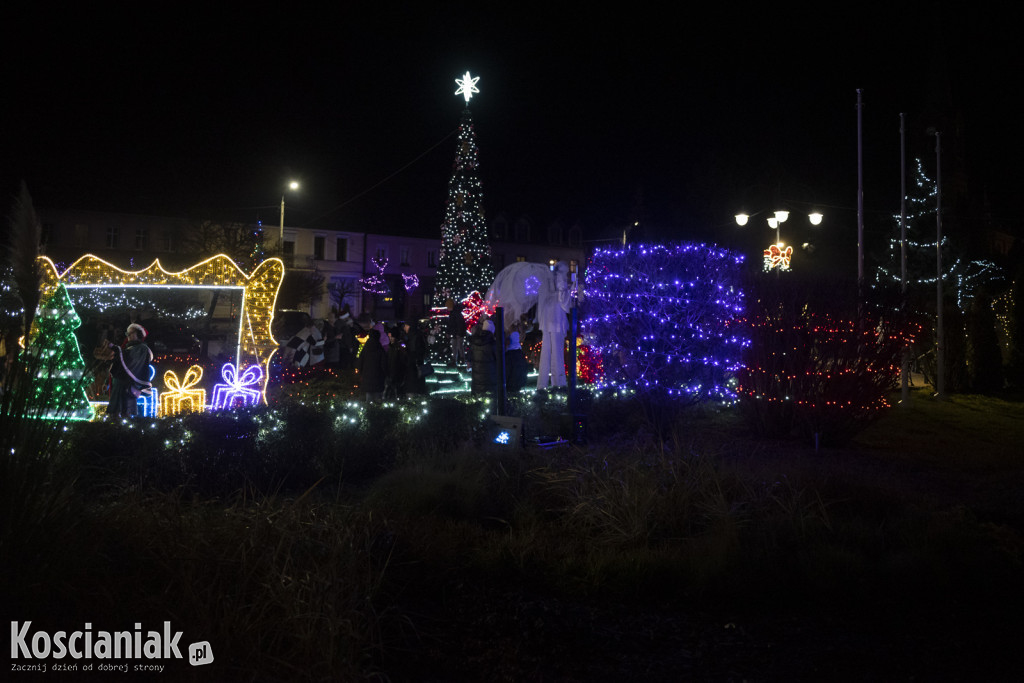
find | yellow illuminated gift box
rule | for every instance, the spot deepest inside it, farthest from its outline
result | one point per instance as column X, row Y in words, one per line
column 181, row 396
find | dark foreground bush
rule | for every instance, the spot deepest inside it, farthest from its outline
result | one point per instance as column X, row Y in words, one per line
column 285, row 448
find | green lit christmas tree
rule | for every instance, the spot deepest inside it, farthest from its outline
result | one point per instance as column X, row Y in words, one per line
column 961, row 276
column 963, row 279
column 55, row 361
column 464, row 263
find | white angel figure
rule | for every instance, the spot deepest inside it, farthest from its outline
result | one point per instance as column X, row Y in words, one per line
column 519, row 287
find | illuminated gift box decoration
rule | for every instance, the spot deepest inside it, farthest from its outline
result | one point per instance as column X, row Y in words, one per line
column 149, row 406
column 776, row 256
column 238, row 388
column 182, row 396
column 259, row 288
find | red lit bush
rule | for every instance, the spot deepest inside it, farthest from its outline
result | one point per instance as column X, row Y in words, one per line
column 816, row 368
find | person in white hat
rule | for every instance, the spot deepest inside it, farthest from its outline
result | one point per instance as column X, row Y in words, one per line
column 129, row 373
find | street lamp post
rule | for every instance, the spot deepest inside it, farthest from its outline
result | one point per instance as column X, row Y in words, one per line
column 774, row 222
column 293, row 185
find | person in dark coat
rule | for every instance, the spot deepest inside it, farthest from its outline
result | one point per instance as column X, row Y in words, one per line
column 415, row 357
column 346, row 337
column 483, row 358
column 372, row 366
column 332, row 346
column 129, row 371
column 516, row 367
column 394, row 382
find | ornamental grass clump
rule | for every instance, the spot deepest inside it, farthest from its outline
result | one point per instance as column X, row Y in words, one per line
column 285, row 589
column 40, row 505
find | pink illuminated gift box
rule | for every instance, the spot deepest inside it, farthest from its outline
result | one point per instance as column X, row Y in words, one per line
column 238, row 388
column 183, row 396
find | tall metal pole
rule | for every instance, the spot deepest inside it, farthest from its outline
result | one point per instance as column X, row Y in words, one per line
column 905, row 369
column 573, row 331
column 860, row 203
column 940, row 344
column 499, row 330
column 281, row 237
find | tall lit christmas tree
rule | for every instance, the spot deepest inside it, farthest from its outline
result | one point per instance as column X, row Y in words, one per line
column 464, row 263
column 56, row 361
column 961, row 276
column 962, row 279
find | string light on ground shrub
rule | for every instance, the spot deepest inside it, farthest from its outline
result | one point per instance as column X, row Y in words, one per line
column 817, row 371
column 665, row 317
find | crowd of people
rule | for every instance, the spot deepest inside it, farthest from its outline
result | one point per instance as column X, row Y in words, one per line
column 391, row 360
column 388, row 360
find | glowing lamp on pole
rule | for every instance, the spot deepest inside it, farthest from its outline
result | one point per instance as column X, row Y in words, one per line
column 778, row 255
column 293, row 185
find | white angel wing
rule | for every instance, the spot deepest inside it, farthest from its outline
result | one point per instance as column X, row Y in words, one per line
column 515, row 288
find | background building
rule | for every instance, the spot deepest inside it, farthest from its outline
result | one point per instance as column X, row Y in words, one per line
column 326, row 268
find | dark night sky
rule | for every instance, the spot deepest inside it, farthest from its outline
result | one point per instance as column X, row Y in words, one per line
column 580, row 112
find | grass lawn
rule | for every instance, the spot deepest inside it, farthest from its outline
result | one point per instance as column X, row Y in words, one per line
column 399, row 550
column 985, row 431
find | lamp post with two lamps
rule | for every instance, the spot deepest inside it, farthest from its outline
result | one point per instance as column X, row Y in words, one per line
column 778, row 255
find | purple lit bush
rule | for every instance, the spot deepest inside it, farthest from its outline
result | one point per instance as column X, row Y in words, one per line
column 665, row 318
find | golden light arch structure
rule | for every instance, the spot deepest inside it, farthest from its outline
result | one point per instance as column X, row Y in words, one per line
column 259, row 290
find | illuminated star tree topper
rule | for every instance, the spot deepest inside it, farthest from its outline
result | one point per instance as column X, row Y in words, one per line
column 467, row 86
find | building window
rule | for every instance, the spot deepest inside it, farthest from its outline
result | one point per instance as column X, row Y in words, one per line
column 499, row 261
column 81, row 234
column 341, row 249
column 112, row 237
column 140, row 239
column 499, row 229
column 432, row 259
column 468, row 258
column 520, row 258
column 167, row 241
column 555, row 233
column 319, row 242
column 427, row 300
column 382, row 252
column 289, row 247
column 403, row 253
column 575, row 236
